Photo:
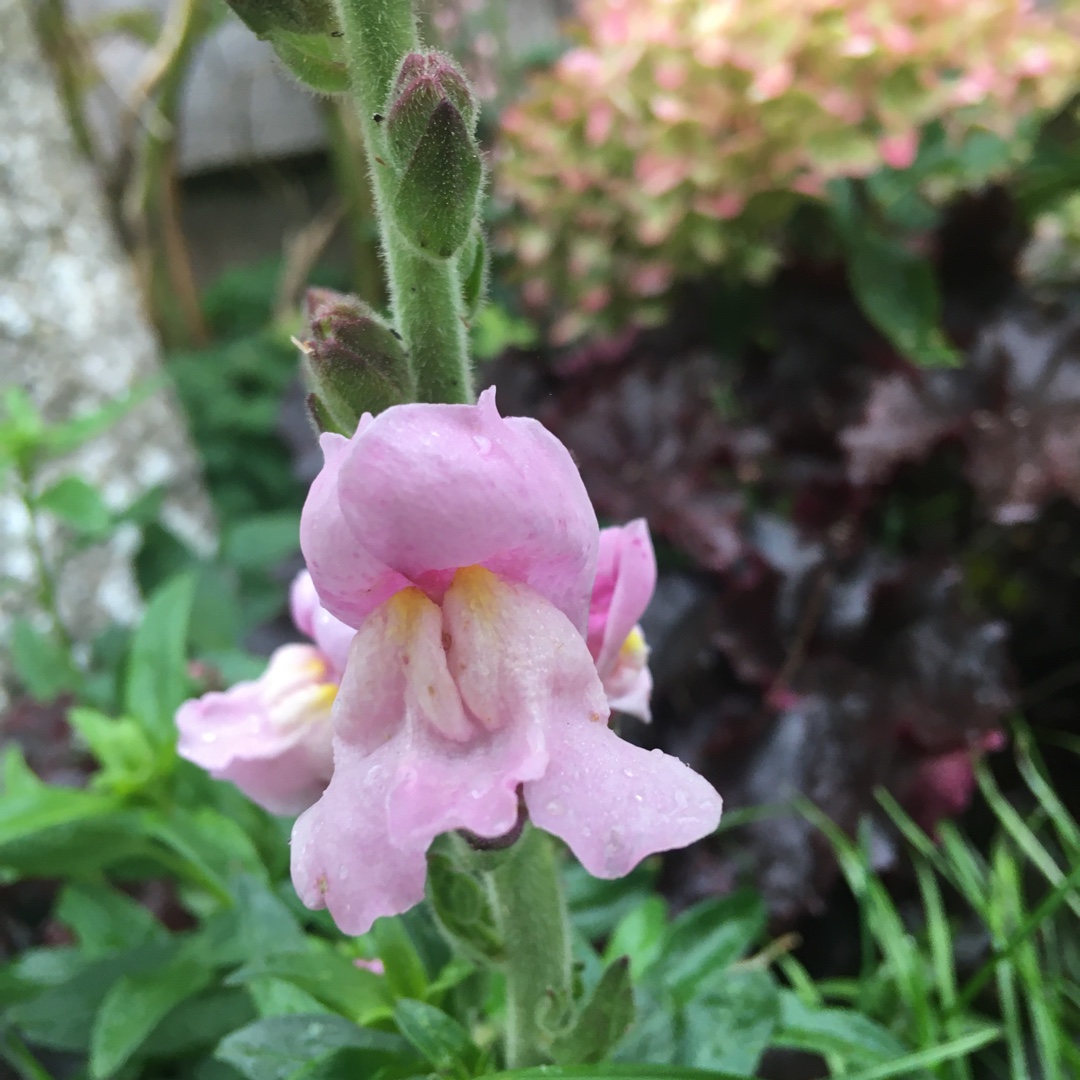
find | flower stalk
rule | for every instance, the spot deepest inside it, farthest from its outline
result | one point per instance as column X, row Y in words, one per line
column 425, row 292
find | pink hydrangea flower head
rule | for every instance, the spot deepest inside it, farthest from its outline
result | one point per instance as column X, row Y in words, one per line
column 272, row 737
column 462, row 547
column 625, row 580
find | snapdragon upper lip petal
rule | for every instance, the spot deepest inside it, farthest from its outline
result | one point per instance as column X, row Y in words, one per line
column 426, row 488
column 625, row 580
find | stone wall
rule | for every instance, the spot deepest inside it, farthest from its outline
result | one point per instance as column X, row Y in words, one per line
column 73, row 336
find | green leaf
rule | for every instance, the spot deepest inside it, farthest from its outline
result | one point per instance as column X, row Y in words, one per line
column 316, row 60
column 405, row 974
column 707, row 939
column 62, row 1016
column 157, row 681
column 356, row 1063
column 730, row 1027
column 602, row 1021
column 845, row 1032
column 41, row 663
column 611, row 1072
column 120, row 745
column 898, row 292
column 105, row 920
column 54, row 832
column 199, row 1023
column 78, row 504
column 328, row 977
column 263, row 540
column 60, row 438
column 640, row 935
column 439, row 1038
column 135, row 1005
column 278, row 1047
column 266, row 925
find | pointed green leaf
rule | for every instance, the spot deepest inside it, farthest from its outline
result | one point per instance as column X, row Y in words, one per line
column 157, row 681
column 602, row 1021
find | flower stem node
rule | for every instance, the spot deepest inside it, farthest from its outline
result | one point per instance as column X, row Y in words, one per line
column 431, row 142
column 354, row 362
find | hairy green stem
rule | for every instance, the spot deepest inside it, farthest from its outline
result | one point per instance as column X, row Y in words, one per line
column 425, row 293
column 47, row 593
column 530, row 908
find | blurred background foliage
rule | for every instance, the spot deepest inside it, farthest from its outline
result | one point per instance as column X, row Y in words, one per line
column 795, row 280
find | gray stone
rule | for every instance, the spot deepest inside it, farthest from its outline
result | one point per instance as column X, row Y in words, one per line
column 73, row 336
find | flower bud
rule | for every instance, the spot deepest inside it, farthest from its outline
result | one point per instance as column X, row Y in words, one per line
column 354, row 362
column 424, row 81
column 431, row 142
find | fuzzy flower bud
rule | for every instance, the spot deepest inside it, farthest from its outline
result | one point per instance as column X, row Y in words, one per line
column 353, row 361
column 431, row 140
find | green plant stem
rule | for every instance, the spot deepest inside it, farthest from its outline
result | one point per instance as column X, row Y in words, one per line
column 425, row 293
column 530, row 908
column 47, row 594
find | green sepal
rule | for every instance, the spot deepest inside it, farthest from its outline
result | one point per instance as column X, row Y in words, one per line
column 473, row 265
column 316, row 60
column 462, row 907
column 295, row 16
column 602, row 1020
column 353, row 361
column 436, row 201
column 424, row 80
column 320, row 417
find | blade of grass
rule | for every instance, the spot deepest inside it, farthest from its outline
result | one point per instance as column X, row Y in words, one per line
column 1038, row 996
column 1005, row 974
column 896, row 945
column 1033, row 772
column 1021, row 834
column 932, row 1056
column 942, row 955
column 1050, row 903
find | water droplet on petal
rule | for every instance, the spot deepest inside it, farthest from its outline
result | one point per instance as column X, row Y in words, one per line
column 482, row 444
column 554, row 808
column 629, row 773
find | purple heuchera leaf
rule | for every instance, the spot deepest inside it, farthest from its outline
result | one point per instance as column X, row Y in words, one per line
column 463, row 548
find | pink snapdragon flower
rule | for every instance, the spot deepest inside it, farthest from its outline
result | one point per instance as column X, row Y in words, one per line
column 463, row 548
column 625, row 580
column 272, row 737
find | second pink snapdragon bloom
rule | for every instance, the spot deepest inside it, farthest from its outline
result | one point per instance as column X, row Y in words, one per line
column 272, row 736
column 463, row 549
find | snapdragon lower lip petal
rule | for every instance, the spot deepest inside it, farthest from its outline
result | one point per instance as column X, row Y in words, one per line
column 615, row 803
column 343, row 858
column 271, row 737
